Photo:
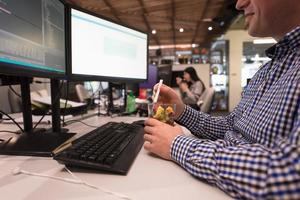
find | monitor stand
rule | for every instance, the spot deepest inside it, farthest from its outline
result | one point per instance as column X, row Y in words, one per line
column 37, row 142
column 112, row 109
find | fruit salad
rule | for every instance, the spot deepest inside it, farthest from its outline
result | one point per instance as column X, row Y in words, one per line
column 164, row 113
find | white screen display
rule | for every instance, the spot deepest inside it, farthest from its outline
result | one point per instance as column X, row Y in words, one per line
column 103, row 48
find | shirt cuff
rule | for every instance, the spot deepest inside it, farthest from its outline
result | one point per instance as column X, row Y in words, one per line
column 180, row 148
column 187, row 118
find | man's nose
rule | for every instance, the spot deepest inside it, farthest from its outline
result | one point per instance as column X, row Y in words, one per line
column 241, row 4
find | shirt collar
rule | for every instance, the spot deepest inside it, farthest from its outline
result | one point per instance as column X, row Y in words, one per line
column 290, row 41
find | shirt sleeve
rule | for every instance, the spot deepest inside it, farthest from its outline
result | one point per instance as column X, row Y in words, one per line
column 244, row 171
column 206, row 126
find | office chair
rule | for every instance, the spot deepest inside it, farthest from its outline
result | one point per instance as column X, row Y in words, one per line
column 205, row 101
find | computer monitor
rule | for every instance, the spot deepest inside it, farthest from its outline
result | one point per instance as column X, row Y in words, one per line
column 165, row 73
column 104, row 50
column 32, row 44
column 152, row 78
column 32, row 38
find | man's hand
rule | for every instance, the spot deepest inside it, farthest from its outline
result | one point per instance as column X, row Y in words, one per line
column 168, row 95
column 159, row 137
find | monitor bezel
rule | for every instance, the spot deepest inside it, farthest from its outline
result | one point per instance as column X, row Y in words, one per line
column 81, row 77
column 24, row 71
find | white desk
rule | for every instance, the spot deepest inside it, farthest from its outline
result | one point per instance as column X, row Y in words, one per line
column 149, row 178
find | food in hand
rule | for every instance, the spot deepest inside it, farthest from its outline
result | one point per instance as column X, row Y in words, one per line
column 164, row 114
column 159, row 112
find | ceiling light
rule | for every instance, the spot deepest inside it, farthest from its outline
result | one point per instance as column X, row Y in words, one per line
column 153, row 31
column 264, row 41
column 210, row 28
column 207, row 20
column 194, row 45
column 181, row 30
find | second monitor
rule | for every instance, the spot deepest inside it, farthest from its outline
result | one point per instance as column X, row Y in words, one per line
column 106, row 51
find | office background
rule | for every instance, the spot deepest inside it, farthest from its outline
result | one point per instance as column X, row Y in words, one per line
column 190, row 48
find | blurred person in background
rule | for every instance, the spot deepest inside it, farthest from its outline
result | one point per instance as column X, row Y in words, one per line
column 191, row 87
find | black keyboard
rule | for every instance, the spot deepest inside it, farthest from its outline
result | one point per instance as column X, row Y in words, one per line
column 111, row 147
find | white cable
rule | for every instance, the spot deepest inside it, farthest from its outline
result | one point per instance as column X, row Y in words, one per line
column 17, row 171
column 73, row 175
column 97, row 187
column 76, row 180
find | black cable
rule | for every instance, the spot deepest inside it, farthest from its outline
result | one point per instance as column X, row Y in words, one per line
column 12, row 120
column 15, row 132
column 5, row 119
column 39, row 121
column 14, row 91
column 74, row 120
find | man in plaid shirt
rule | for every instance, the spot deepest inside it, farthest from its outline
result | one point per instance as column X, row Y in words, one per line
column 254, row 152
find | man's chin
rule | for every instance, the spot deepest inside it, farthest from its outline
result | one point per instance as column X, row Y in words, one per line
column 251, row 30
column 256, row 33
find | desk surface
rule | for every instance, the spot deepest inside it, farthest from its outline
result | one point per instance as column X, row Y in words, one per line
column 149, row 177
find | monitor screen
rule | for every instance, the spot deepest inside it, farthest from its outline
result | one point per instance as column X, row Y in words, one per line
column 32, row 38
column 152, row 78
column 165, row 73
column 103, row 50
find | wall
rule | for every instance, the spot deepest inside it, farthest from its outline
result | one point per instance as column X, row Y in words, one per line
column 236, row 39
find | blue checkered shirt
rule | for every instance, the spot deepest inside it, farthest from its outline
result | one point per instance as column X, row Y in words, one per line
column 254, row 152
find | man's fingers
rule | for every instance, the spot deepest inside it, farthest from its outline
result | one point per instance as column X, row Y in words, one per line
column 152, row 122
column 149, row 130
column 148, row 138
column 148, row 146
